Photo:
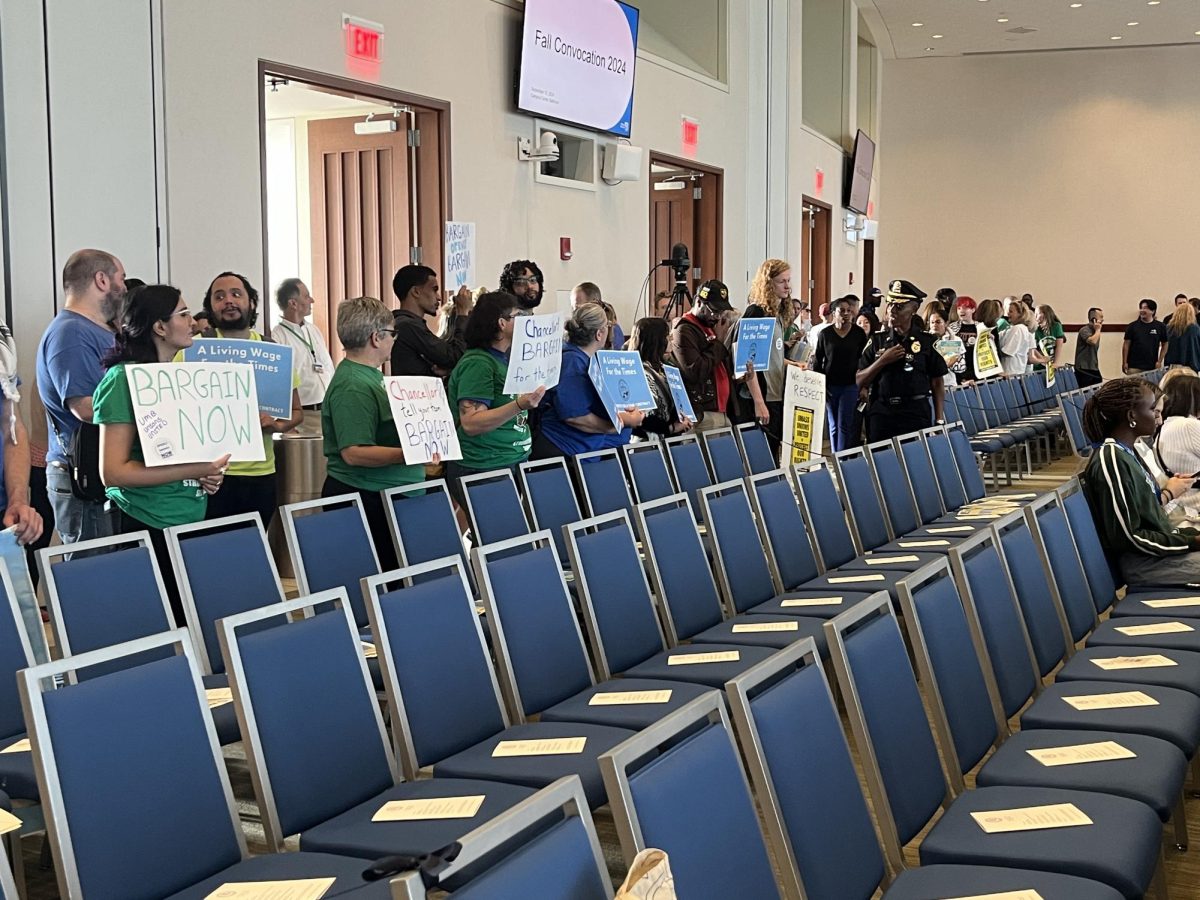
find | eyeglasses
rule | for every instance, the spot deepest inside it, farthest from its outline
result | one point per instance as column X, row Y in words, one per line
column 523, row 280
column 391, row 331
column 512, row 315
column 184, row 313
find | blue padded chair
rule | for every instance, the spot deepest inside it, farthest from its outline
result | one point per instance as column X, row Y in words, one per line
column 755, row 448
column 494, row 507
column 791, row 736
column 99, row 599
column 964, row 703
column 679, row 786
column 988, row 586
column 422, row 522
column 913, row 452
column 543, row 665
column 792, row 561
column 1070, row 589
column 203, row 555
column 724, row 456
column 619, row 612
column 17, row 780
column 138, row 804
column 905, row 776
column 954, row 495
column 648, row 472
column 899, row 502
column 601, row 481
column 742, row 570
column 316, row 744
column 544, row 847
column 547, row 486
column 687, row 462
column 446, row 708
column 686, row 591
column 330, row 544
column 968, row 466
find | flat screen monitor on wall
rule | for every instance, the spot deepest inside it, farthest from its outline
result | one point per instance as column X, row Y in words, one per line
column 858, row 187
column 577, row 62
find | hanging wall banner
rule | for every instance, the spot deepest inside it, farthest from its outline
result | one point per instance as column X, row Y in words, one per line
column 272, row 368
column 803, row 416
column 421, row 411
column 987, row 356
column 195, row 412
column 535, row 358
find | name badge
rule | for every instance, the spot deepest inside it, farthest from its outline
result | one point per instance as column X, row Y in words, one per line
column 318, row 368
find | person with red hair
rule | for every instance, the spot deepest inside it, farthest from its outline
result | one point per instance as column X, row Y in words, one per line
column 966, row 329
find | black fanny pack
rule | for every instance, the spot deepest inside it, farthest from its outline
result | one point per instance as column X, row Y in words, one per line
column 83, row 462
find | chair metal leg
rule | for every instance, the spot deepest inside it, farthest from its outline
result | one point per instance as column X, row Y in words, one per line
column 1159, row 885
column 18, row 862
column 1179, row 820
column 1195, row 766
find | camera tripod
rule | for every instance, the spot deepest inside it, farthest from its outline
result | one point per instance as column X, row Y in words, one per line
column 681, row 297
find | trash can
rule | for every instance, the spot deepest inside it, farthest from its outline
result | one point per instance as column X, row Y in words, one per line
column 299, row 475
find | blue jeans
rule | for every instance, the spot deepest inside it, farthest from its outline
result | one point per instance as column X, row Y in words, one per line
column 75, row 519
column 13, row 556
column 840, row 400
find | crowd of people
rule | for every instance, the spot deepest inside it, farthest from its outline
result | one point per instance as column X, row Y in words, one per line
column 886, row 363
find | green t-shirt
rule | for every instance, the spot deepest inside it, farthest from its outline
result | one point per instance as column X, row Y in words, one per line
column 480, row 376
column 161, row 505
column 1046, row 341
column 356, row 413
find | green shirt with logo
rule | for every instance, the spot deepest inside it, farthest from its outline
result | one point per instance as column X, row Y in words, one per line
column 479, row 376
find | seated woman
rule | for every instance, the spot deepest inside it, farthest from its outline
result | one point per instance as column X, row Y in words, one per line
column 153, row 325
column 1177, row 447
column 574, row 419
column 1126, row 503
column 649, row 339
column 493, row 427
column 362, row 448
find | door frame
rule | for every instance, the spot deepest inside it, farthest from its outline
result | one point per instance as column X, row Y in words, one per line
column 716, row 205
column 823, row 289
column 441, row 109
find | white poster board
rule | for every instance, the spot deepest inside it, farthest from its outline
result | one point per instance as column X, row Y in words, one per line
column 421, row 411
column 459, row 255
column 803, row 416
column 535, row 358
column 195, row 412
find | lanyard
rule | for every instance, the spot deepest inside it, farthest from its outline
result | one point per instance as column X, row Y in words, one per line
column 304, row 338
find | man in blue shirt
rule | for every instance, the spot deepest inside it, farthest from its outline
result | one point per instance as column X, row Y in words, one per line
column 69, row 366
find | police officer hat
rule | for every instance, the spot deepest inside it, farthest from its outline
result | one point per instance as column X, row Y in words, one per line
column 714, row 295
column 901, row 291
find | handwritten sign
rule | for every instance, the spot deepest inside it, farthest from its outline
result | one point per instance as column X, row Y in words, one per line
column 460, row 254
column 535, row 358
column 195, row 412
column 621, row 382
column 423, row 421
column 753, row 344
column 683, row 403
column 272, row 368
column 803, row 415
column 987, row 355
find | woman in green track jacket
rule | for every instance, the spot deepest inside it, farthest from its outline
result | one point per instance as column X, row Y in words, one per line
column 1126, row 503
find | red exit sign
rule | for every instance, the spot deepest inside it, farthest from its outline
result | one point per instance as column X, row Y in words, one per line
column 364, row 40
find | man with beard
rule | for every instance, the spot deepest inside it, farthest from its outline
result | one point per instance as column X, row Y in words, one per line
column 417, row 350
column 69, row 366
column 232, row 306
column 523, row 279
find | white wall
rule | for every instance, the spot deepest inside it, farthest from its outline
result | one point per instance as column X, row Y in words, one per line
column 1068, row 175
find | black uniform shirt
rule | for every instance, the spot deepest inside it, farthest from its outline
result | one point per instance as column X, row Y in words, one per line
column 893, row 382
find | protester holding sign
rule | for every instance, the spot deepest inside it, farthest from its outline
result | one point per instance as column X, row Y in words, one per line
column 154, row 324
column 574, row 419
column 493, row 426
column 771, row 298
column 649, row 339
column 362, row 448
column 232, row 304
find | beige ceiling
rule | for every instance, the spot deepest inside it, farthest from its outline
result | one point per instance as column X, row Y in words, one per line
column 971, row 26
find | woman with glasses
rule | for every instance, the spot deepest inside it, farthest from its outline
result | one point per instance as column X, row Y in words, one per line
column 153, row 325
column 362, row 448
column 574, row 419
column 493, row 427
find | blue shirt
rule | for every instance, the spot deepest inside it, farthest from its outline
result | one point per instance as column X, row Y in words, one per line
column 576, row 396
column 69, row 364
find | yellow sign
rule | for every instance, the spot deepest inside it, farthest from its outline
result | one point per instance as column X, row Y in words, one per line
column 987, row 360
column 802, row 432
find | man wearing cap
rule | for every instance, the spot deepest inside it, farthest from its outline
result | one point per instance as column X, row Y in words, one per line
column 902, row 370
column 825, row 317
column 705, row 363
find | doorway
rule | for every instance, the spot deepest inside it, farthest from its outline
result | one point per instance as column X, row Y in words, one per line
column 356, row 184
column 686, row 206
column 868, row 257
column 814, row 254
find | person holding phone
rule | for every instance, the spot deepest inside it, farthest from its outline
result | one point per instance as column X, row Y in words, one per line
column 1087, row 349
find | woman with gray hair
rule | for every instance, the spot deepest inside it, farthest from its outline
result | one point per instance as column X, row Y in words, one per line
column 362, row 447
column 575, row 420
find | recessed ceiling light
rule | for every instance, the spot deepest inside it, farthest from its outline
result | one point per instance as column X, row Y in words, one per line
column 1076, row 5
column 1152, row 2
column 1198, row 32
column 1002, row 20
column 1115, row 37
column 1131, row 24
column 918, row 24
column 936, row 36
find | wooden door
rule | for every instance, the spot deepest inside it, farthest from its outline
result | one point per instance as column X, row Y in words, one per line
column 361, row 205
column 672, row 216
column 814, row 256
column 868, row 276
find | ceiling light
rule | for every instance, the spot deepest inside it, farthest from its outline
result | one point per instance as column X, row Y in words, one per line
column 936, row 36
column 918, row 24
column 1076, row 5
column 1152, row 2
column 1198, row 32
column 1131, row 24
column 1115, row 37
column 1002, row 20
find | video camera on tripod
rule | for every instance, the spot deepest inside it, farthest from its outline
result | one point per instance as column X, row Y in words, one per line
column 680, row 263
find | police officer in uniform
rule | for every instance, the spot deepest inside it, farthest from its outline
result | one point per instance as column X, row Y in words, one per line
column 902, row 370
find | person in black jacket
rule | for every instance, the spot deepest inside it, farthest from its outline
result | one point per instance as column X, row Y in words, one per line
column 417, row 350
column 836, row 356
